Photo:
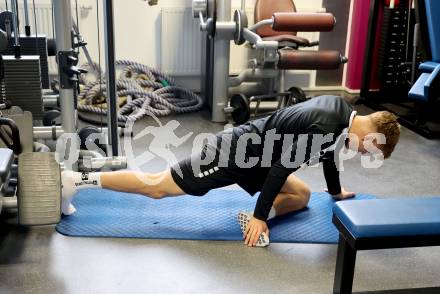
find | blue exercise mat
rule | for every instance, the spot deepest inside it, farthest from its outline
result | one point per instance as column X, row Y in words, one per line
column 104, row 213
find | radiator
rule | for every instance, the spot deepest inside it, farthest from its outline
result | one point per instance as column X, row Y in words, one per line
column 43, row 13
column 181, row 42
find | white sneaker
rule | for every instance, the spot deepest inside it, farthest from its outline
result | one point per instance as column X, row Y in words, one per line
column 67, row 191
column 243, row 220
column 70, row 210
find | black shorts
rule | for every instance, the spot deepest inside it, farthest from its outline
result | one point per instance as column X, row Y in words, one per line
column 197, row 179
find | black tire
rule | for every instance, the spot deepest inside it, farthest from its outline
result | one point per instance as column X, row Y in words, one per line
column 296, row 96
column 242, row 111
column 52, row 117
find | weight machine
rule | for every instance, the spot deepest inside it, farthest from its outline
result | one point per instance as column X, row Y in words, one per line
column 272, row 55
column 35, row 176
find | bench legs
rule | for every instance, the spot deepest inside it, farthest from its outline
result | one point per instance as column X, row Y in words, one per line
column 345, row 263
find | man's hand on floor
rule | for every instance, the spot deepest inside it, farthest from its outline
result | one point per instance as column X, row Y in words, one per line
column 253, row 231
column 344, row 195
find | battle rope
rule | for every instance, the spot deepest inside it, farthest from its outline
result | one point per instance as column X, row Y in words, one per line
column 146, row 91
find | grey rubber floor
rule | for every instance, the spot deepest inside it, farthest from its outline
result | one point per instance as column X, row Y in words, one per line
column 38, row 260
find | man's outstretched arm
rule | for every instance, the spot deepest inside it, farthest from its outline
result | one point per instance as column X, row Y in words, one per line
column 331, row 175
column 277, row 176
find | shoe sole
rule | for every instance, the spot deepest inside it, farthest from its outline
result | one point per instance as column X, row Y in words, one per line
column 243, row 220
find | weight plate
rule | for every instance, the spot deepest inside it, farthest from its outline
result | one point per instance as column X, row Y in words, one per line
column 50, row 118
column 39, row 189
column 296, row 96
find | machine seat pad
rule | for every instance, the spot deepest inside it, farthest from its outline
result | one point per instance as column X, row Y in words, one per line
column 288, row 38
column 390, row 217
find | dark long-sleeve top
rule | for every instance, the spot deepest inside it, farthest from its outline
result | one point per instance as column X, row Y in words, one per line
column 295, row 126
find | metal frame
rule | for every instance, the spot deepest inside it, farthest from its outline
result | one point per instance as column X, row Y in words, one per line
column 109, row 40
column 63, row 38
column 66, row 99
column 63, row 31
column 27, row 27
column 220, row 96
column 349, row 245
column 218, row 49
column 67, row 69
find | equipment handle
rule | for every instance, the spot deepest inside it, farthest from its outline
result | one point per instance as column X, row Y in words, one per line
column 294, row 59
column 303, row 22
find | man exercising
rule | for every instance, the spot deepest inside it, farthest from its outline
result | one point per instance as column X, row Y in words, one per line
column 261, row 156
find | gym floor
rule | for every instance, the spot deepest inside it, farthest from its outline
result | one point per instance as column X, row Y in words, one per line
column 39, row 260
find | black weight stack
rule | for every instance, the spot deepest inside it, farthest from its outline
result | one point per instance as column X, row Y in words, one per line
column 395, row 51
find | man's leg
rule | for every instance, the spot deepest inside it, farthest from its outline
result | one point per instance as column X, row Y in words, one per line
column 154, row 185
column 294, row 195
column 157, row 185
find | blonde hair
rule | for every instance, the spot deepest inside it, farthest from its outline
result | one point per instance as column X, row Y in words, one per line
column 386, row 123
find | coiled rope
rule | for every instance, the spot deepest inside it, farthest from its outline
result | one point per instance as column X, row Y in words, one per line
column 145, row 91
